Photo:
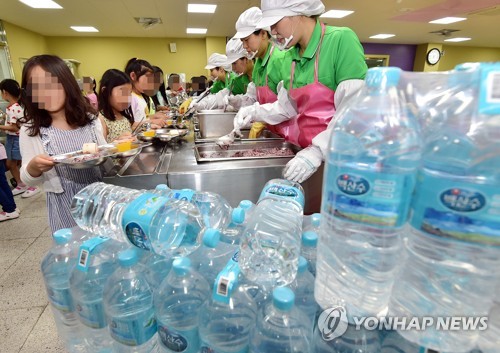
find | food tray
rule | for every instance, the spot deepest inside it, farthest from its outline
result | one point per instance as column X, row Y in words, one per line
column 244, row 150
column 164, row 135
column 80, row 160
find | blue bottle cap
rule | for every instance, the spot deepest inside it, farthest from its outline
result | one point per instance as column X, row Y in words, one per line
column 382, row 76
column 181, row 266
column 245, row 204
column 238, row 215
column 310, row 238
column 316, row 219
column 62, row 236
column 283, row 298
column 162, row 187
column 302, row 265
column 128, row 257
column 211, row 237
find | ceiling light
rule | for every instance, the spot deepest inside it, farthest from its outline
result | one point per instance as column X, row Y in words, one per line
column 196, row 31
column 382, row 36
column 201, row 8
column 41, row 4
column 448, row 20
column 336, row 13
column 458, row 39
column 84, row 29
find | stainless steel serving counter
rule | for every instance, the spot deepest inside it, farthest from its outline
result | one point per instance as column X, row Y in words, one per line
column 176, row 165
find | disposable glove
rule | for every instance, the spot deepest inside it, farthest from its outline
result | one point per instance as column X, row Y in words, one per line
column 242, row 100
column 304, row 164
column 213, row 101
column 185, row 106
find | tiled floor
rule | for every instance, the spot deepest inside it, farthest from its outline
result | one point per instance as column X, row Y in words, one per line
column 26, row 323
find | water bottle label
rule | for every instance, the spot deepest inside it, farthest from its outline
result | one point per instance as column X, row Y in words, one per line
column 489, row 94
column 172, row 340
column 377, row 199
column 205, row 348
column 284, row 192
column 137, row 218
column 463, row 211
column 227, row 280
column 184, row 195
column 61, row 299
column 86, row 251
column 134, row 331
column 92, row 314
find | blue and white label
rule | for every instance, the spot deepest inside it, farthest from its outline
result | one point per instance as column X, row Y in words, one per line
column 227, row 280
column 61, row 299
column 184, row 195
column 133, row 331
column 352, row 185
column 377, row 199
column 85, row 252
column 92, row 314
column 138, row 216
column 178, row 341
column 447, row 208
column 462, row 200
column 283, row 191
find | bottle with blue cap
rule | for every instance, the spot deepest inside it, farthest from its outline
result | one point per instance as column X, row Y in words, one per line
column 128, row 303
column 177, row 305
column 370, row 173
column 453, row 245
column 270, row 245
column 309, row 249
column 56, row 268
column 303, row 287
column 211, row 257
column 96, row 261
column 281, row 326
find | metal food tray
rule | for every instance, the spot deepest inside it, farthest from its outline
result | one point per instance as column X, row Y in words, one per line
column 228, row 155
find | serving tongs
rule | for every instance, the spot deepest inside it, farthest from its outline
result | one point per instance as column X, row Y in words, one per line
column 202, row 96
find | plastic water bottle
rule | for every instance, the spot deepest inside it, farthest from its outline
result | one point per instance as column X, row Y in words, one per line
column 210, row 258
column 96, row 262
column 454, row 231
column 312, row 223
column 227, row 318
column 352, row 341
column 270, row 245
column 309, row 249
column 369, row 178
column 156, row 267
column 128, row 303
column 303, row 288
column 151, row 221
column 177, row 305
column 489, row 340
column 56, row 268
column 281, row 326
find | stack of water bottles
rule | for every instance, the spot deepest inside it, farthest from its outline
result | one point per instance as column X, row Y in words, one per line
column 178, row 271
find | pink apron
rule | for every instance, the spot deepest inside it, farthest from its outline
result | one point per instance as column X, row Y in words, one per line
column 315, row 104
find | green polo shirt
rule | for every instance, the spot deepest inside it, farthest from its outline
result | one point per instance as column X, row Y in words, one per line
column 341, row 58
column 217, row 86
column 239, row 84
column 266, row 66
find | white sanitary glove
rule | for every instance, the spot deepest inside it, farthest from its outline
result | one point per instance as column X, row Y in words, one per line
column 304, row 164
column 282, row 110
column 235, row 103
column 213, row 101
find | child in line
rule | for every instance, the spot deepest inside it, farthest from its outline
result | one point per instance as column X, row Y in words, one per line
column 58, row 120
column 11, row 92
column 89, row 87
column 7, row 202
column 115, row 96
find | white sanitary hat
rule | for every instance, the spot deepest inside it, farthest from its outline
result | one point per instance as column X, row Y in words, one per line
column 216, row 60
column 235, row 50
column 274, row 10
column 247, row 22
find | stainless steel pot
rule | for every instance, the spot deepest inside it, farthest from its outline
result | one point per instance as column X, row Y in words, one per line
column 215, row 124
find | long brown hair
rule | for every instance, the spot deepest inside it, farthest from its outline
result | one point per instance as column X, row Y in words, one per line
column 77, row 109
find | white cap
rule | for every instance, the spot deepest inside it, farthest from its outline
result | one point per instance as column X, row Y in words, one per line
column 247, row 22
column 274, row 10
column 235, row 50
column 216, row 60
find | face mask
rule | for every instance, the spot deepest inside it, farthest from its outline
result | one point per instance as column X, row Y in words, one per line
column 252, row 54
column 281, row 45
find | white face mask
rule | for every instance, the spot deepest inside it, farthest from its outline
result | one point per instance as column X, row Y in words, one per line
column 281, row 45
column 252, row 54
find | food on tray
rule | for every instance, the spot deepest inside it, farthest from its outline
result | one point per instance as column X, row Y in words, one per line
column 82, row 158
column 149, row 133
column 256, row 152
column 89, row 147
column 124, row 146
